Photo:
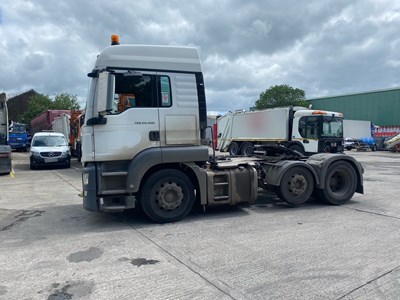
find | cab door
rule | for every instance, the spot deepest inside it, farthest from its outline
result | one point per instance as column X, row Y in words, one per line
column 306, row 131
column 133, row 124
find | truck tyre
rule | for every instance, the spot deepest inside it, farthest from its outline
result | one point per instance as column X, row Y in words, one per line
column 167, row 196
column 296, row 147
column 233, row 148
column 340, row 184
column 246, row 149
column 296, row 186
column 374, row 147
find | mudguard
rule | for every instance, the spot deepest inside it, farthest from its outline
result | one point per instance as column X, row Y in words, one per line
column 149, row 158
column 274, row 172
column 320, row 163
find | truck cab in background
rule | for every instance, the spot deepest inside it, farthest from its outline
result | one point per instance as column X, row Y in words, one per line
column 318, row 131
column 19, row 137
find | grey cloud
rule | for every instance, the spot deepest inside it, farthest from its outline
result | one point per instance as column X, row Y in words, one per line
column 322, row 47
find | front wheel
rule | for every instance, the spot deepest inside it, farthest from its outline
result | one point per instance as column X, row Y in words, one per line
column 340, row 184
column 296, row 147
column 167, row 196
column 296, row 186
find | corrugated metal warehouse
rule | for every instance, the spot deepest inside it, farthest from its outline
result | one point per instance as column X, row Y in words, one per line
column 381, row 107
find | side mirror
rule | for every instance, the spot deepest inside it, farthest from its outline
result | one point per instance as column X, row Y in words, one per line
column 105, row 92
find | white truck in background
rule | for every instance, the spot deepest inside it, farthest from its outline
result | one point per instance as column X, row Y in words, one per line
column 5, row 149
column 145, row 121
column 358, row 135
column 61, row 124
column 297, row 128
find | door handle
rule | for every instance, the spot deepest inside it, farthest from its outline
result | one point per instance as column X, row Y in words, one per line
column 306, row 141
column 154, row 136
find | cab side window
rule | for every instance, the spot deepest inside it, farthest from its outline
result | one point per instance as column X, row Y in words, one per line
column 309, row 127
column 134, row 91
column 141, row 91
column 165, row 89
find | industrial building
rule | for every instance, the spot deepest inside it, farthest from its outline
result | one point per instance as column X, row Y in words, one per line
column 381, row 107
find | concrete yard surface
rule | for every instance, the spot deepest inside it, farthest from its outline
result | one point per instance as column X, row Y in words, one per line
column 51, row 248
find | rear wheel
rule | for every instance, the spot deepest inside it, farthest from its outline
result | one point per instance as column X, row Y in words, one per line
column 167, row 196
column 246, row 149
column 296, row 186
column 233, row 148
column 340, row 184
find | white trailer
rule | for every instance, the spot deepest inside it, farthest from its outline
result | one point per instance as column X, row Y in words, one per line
column 297, row 128
column 61, row 125
column 145, row 121
column 5, row 149
column 356, row 129
column 358, row 134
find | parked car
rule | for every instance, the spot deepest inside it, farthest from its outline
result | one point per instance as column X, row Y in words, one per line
column 49, row 149
column 349, row 143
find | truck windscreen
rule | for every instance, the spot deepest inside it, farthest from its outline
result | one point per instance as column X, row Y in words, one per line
column 18, row 129
column 332, row 127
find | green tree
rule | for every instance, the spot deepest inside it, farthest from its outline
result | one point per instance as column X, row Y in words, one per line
column 39, row 103
column 65, row 101
column 281, row 95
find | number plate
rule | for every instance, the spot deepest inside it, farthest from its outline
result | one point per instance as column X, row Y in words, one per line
column 50, row 160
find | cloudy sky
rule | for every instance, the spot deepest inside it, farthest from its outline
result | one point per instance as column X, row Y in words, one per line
column 325, row 47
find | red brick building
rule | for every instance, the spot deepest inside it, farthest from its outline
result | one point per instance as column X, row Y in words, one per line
column 18, row 105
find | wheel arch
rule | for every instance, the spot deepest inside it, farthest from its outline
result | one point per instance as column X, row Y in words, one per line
column 321, row 163
column 275, row 173
column 152, row 160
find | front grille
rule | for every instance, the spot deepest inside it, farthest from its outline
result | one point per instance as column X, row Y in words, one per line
column 50, row 154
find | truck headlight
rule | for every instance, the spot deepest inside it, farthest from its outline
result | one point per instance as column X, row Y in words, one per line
column 85, row 178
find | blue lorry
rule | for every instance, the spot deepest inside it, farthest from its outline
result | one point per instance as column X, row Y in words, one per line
column 18, row 137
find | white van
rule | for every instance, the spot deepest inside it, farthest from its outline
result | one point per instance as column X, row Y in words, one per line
column 49, row 149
